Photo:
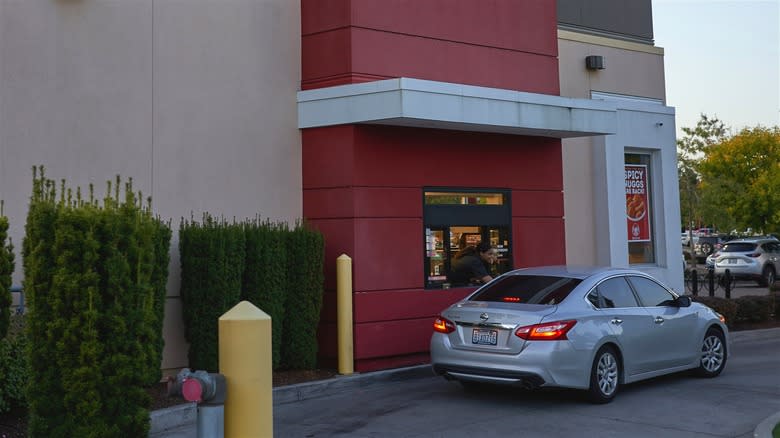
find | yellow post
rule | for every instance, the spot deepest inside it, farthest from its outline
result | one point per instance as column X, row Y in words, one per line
column 344, row 316
column 245, row 361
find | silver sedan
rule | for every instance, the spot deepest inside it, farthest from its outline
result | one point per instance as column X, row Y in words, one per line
column 585, row 328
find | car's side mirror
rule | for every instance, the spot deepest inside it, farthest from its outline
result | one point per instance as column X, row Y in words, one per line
column 683, row 301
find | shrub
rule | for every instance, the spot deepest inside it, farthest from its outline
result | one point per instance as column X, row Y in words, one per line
column 13, row 367
column 305, row 264
column 724, row 306
column 92, row 279
column 6, row 269
column 212, row 267
column 754, row 308
column 265, row 276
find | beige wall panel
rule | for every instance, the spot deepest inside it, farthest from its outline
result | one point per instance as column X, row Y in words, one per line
column 193, row 99
column 75, row 96
column 225, row 126
column 175, row 352
column 629, row 72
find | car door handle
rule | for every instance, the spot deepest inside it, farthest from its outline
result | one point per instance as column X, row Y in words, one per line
column 617, row 321
column 659, row 320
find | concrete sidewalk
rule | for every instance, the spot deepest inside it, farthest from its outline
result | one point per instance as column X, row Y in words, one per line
column 180, row 421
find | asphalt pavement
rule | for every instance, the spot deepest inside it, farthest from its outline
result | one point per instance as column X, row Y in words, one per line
column 180, row 421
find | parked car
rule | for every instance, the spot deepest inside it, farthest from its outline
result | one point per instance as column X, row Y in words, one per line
column 753, row 258
column 593, row 329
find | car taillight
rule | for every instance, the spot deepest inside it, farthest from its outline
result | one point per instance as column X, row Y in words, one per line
column 549, row 331
column 443, row 325
column 754, row 254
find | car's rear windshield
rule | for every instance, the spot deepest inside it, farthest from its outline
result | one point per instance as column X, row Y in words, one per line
column 739, row 247
column 527, row 289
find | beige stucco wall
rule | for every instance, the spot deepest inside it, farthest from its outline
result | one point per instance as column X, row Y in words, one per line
column 630, row 69
column 195, row 100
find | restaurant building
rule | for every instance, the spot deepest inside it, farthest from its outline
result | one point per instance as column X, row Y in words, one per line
column 400, row 129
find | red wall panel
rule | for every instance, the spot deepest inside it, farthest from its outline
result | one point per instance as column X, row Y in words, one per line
column 329, row 203
column 378, row 339
column 381, row 363
column 388, row 254
column 321, row 15
column 510, row 24
column 363, row 189
column 401, row 304
column 388, row 202
column 414, row 157
column 328, row 157
column 502, row 43
column 538, row 242
column 528, row 203
column 339, row 239
column 325, row 55
column 394, row 55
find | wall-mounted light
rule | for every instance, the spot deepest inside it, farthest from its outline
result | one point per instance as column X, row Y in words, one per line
column 594, row 62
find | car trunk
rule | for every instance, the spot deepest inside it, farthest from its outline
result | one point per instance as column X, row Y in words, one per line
column 491, row 329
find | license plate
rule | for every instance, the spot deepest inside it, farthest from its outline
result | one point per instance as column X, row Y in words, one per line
column 484, row 337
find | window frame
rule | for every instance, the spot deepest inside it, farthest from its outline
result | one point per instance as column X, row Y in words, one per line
column 447, row 216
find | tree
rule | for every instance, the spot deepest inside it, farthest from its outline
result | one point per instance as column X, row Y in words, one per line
column 740, row 180
column 690, row 151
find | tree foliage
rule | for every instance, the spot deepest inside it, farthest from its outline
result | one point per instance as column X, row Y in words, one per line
column 740, row 180
column 691, row 149
column 6, row 269
column 94, row 278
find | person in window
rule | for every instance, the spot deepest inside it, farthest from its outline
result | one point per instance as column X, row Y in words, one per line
column 472, row 265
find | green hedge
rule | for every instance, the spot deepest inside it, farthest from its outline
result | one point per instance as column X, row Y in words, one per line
column 95, row 292
column 754, row 308
column 305, row 273
column 212, row 266
column 13, row 367
column 265, row 276
column 6, row 269
column 282, row 271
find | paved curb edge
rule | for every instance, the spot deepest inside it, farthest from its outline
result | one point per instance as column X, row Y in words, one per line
column 765, row 428
column 166, row 419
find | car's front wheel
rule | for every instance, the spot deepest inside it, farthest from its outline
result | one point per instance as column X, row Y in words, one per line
column 604, row 376
column 713, row 354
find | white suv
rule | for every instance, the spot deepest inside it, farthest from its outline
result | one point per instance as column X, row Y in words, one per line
column 756, row 258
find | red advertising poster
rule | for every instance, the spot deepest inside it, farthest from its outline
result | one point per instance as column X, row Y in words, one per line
column 637, row 203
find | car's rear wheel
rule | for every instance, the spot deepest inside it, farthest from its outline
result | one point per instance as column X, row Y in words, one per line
column 767, row 276
column 604, row 376
column 713, row 354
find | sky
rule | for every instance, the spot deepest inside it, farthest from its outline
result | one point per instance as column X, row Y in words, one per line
column 722, row 58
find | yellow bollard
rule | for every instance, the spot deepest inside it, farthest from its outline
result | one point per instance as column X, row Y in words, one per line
column 245, row 361
column 344, row 316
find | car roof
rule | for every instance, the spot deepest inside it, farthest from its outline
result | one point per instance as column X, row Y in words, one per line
column 753, row 240
column 573, row 271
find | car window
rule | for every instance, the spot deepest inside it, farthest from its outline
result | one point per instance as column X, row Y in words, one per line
column 739, row 247
column 651, row 293
column 615, row 292
column 528, row 289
